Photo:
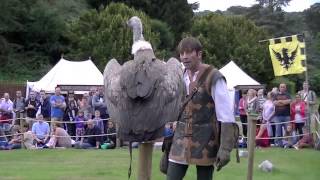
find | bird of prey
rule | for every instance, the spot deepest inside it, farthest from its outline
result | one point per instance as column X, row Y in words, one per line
column 145, row 93
column 285, row 60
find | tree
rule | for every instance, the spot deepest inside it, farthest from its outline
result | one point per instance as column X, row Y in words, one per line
column 176, row 13
column 104, row 35
column 32, row 36
column 273, row 4
column 226, row 38
column 312, row 18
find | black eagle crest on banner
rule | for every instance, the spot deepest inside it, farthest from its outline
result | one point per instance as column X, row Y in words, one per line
column 285, row 60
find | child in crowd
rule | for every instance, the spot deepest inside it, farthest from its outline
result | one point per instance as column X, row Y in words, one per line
column 98, row 121
column 306, row 141
column 298, row 113
column 80, row 125
column 288, row 142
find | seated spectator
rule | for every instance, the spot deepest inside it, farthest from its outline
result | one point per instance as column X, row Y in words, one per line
column 112, row 137
column 306, row 141
column 60, row 138
column 41, row 131
column 15, row 142
column 28, row 137
column 288, row 142
column 80, row 125
column 94, row 139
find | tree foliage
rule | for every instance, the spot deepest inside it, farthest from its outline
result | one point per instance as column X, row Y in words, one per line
column 234, row 38
column 176, row 13
column 273, row 4
column 104, row 35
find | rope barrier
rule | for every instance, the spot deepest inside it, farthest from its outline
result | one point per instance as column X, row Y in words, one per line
column 61, row 122
column 282, row 137
column 18, row 134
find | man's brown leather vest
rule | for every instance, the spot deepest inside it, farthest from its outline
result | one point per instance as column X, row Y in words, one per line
column 196, row 138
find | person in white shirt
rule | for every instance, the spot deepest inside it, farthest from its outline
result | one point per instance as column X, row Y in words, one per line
column 209, row 110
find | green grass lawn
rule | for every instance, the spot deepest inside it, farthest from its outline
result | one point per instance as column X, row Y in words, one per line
column 73, row 164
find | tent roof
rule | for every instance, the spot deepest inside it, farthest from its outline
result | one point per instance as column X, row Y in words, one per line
column 70, row 73
column 235, row 76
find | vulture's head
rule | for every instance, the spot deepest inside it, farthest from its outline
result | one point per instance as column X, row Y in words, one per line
column 138, row 40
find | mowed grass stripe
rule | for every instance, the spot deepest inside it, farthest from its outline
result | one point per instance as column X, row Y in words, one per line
column 113, row 164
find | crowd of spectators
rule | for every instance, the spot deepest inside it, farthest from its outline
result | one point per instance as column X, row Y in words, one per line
column 283, row 121
column 56, row 121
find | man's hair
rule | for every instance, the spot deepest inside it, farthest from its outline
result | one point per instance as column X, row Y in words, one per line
column 189, row 44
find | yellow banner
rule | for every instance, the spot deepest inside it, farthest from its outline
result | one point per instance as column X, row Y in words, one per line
column 287, row 55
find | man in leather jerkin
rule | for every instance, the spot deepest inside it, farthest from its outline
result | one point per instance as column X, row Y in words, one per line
column 205, row 133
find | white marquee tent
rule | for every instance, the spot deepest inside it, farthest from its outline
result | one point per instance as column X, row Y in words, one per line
column 69, row 73
column 235, row 76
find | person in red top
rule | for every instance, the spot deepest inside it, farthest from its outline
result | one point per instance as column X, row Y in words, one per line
column 298, row 113
column 243, row 113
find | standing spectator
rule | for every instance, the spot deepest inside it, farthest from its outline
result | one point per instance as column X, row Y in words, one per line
column 6, row 108
column 267, row 115
column 243, row 113
column 252, row 103
column 71, row 99
column 85, row 106
column 19, row 108
column 70, row 115
column 80, row 125
column 98, row 103
column 92, row 92
column 98, row 121
column 31, row 106
column 45, row 106
column 58, row 105
column 282, row 111
column 310, row 98
column 260, row 101
column 41, row 131
column 298, row 113
column 94, row 140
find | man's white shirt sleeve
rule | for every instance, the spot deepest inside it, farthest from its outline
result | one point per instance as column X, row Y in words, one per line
column 222, row 101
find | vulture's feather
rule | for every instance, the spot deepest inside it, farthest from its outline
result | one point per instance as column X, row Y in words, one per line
column 143, row 94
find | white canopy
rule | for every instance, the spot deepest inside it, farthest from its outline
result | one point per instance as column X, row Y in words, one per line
column 69, row 73
column 236, row 76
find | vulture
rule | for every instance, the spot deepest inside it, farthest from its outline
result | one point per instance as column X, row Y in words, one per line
column 145, row 93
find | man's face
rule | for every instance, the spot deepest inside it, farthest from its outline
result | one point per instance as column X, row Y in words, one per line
column 42, row 94
column 32, row 95
column 282, row 88
column 191, row 59
column 6, row 96
column 40, row 119
column 57, row 91
column 305, row 86
column 18, row 94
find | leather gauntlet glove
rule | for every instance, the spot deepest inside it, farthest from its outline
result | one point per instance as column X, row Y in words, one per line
column 227, row 142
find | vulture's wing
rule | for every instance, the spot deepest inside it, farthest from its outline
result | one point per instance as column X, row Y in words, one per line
column 173, row 89
column 112, row 88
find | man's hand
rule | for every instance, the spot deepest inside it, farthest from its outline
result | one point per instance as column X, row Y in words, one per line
column 223, row 158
